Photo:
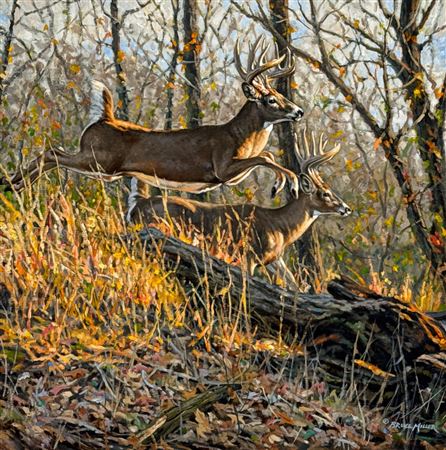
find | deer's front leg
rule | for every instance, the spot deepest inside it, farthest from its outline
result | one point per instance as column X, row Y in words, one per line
column 242, row 166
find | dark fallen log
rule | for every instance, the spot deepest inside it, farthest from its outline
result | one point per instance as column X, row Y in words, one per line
column 395, row 348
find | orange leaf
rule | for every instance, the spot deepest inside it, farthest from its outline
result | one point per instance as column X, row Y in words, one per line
column 377, row 143
column 438, row 93
column 286, row 420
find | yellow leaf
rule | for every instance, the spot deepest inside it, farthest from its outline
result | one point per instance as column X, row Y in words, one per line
column 416, row 92
column 120, row 56
column 182, row 122
column 294, row 85
column 213, row 86
column 356, row 23
column 75, row 68
column 338, row 134
column 389, row 221
column 45, row 27
column 349, row 98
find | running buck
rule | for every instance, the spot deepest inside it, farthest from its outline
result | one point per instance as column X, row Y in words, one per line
column 270, row 231
column 194, row 160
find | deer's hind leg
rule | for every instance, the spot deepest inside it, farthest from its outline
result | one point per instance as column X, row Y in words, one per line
column 35, row 169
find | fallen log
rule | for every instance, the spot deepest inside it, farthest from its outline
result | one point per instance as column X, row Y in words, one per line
column 395, row 348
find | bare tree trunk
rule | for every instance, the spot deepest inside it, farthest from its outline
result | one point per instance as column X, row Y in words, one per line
column 173, row 66
column 118, row 55
column 308, row 245
column 192, row 63
column 7, row 47
column 123, row 103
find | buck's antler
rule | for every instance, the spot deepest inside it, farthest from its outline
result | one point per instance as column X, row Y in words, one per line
column 256, row 68
column 311, row 155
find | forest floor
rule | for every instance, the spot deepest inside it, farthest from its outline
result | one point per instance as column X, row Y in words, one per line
column 102, row 346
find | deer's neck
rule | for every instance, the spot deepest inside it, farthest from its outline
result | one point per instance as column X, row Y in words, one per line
column 250, row 130
column 295, row 218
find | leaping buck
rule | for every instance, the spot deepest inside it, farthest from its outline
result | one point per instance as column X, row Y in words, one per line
column 194, row 160
column 270, row 231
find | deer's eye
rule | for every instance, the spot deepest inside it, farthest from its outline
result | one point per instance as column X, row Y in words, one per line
column 326, row 195
column 272, row 101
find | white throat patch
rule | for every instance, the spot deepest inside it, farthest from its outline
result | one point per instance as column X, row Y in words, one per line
column 268, row 126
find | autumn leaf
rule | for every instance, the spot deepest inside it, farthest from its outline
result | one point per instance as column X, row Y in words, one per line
column 75, row 68
column 204, row 426
column 435, row 240
column 342, row 71
column 434, row 149
column 349, row 98
column 356, row 23
column 120, row 56
column 377, row 143
column 438, row 93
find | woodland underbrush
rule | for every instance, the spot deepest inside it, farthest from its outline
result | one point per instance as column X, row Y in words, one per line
column 100, row 342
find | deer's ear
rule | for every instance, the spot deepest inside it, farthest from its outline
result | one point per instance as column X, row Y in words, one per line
column 306, row 184
column 251, row 93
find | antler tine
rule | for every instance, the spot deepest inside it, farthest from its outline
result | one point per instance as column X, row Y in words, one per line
column 309, row 155
column 254, row 69
column 322, row 143
column 307, row 147
column 262, row 57
column 252, row 52
column 237, row 61
column 288, row 69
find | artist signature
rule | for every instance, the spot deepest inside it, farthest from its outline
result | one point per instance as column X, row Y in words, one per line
column 410, row 426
